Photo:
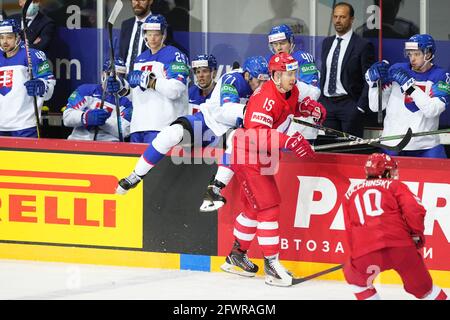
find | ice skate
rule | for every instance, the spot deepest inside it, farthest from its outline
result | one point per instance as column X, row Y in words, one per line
column 276, row 273
column 213, row 200
column 128, row 183
column 237, row 262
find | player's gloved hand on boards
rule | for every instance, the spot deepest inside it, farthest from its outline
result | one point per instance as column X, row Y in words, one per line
column 35, row 87
column 379, row 70
column 299, row 145
column 140, row 78
column 419, row 240
column 402, row 77
column 95, row 117
column 309, row 107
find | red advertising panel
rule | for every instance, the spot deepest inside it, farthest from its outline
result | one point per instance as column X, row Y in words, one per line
column 311, row 223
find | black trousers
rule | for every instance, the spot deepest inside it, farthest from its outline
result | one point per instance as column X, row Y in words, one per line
column 343, row 115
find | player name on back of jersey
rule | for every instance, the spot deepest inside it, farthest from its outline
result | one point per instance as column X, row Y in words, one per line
column 369, row 183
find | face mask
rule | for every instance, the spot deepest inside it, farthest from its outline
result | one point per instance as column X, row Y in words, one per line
column 32, row 9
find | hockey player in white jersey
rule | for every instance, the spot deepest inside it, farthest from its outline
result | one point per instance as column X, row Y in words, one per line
column 281, row 40
column 217, row 115
column 85, row 113
column 16, row 89
column 158, row 81
column 415, row 93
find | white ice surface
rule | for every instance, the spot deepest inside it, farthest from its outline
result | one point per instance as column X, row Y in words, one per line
column 39, row 280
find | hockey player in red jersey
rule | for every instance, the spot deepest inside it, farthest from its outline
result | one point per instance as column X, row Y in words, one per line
column 267, row 117
column 384, row 221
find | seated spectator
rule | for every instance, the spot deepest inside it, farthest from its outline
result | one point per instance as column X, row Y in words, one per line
column 91, row 110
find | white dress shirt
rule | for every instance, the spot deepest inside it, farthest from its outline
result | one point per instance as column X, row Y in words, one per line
column 141, row 40
column 340, row 91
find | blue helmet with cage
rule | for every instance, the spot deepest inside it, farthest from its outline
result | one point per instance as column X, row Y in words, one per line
column 422, row 42
column 118, row 62
column 9, row 26
column 257, row 67
column 155, row 22
column 204, row 60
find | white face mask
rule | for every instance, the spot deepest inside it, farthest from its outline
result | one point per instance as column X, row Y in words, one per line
column 32, row 9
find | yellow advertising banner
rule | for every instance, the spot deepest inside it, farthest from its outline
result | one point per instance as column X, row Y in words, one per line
column 68, row 199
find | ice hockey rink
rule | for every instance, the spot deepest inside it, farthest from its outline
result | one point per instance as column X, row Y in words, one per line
column 29, row 280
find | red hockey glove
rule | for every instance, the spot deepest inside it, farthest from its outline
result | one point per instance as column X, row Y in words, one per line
column 299, row 145
column 309, row 107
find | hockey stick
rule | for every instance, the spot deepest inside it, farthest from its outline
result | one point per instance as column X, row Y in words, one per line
column 316, row 275
column 30, row 66
column 110, row 23
column 112, row 18
column 367, row 141
column 380, row 58
column 398, row 147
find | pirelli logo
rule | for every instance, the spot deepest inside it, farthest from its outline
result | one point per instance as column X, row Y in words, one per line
column 68, row 208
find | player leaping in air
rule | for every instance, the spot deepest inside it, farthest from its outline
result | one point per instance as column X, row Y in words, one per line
column 217, row 115
column 281, row 39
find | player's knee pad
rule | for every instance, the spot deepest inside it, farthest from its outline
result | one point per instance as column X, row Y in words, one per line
column 168, row 137
column 187, row 127
column 261, row 191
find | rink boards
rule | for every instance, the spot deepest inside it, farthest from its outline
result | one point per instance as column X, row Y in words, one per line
column 57, row 203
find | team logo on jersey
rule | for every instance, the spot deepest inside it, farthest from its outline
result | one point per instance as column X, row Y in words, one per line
column 262, row 118
column 6, row 83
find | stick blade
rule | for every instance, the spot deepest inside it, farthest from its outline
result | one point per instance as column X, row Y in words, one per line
column 115, row 12
column 406, row 139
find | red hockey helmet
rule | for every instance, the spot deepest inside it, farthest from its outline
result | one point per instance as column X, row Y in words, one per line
column 282, row 62
column 379, row 164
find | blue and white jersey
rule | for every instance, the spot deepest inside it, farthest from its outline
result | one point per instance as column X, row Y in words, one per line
column 156, row 109
column 196, row 98
column 16, row 106
column 88, row 97
column 227, row 102
column 308, row 85
column 420, row 111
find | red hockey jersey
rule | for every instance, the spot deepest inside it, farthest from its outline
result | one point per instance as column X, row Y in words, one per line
column 381, row 213
column 267, row 117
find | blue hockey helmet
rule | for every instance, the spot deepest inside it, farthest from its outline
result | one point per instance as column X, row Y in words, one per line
column 155, row 22
column 118, row 62
column 204, row 60
column 281, row 32
column 257, row 67
column 9, row 26
column 422, row 42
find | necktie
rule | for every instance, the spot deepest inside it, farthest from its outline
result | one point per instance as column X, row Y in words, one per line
column 135, row 49
column 334, row 67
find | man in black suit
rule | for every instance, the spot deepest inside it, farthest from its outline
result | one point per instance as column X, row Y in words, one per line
column 345, row 60
column 131, row 43
column 41, row 29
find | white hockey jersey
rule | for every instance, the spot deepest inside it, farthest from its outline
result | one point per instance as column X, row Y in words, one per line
column 16, row 106
column 420, row 111
column 155, row 109
column 88, row 97
column 226, row 104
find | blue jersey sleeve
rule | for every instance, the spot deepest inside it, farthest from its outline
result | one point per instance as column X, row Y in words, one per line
column 307, row 70
column 233, row 88
column 77, row 99
column 441, row 88
column 41, row 67
column 176, row 65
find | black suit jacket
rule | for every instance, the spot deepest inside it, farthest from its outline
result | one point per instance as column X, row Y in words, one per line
column 125, row 35
column 359, row 56
column 41, row 27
